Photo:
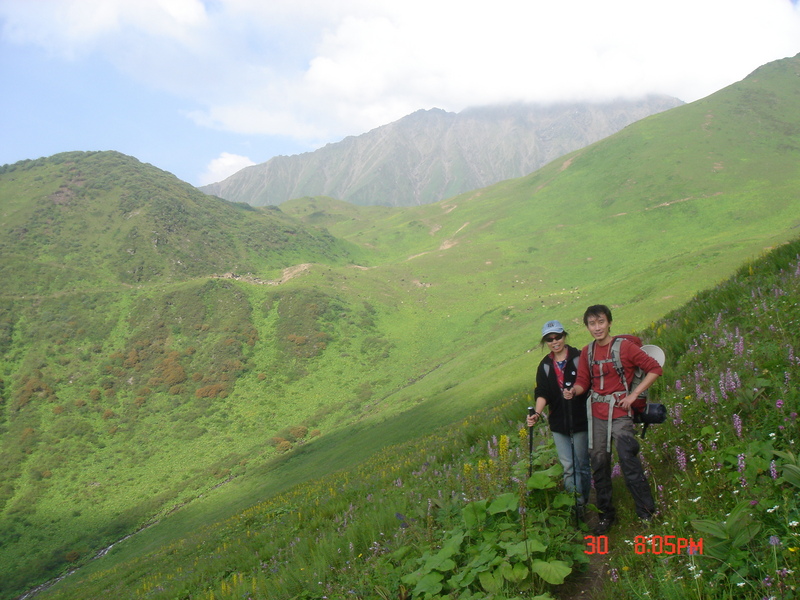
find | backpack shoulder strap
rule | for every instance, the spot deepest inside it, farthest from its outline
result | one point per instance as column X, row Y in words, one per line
column 617, row 358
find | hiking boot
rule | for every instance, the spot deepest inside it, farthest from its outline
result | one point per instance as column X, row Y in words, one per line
column 603, row 525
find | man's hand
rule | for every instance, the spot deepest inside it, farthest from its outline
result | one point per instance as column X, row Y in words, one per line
column 533, row 419
column 626, row 402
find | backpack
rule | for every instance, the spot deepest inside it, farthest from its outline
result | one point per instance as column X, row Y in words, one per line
column 652, row 412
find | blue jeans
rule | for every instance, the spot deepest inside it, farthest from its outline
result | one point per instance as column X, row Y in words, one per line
column 577, row 472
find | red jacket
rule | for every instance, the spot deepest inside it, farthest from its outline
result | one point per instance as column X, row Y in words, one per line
column 632, row 356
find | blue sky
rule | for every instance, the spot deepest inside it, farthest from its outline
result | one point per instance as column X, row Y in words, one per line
column 202, row 89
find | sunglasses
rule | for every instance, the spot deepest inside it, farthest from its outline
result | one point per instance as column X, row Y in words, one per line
column 554, row 337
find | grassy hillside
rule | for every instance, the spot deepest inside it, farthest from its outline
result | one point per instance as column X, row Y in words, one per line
column 439, row 514
column 133, row 393
column 85, row 220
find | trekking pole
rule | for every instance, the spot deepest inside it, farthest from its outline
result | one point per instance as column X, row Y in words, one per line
column 567, row 386
column 531, row 410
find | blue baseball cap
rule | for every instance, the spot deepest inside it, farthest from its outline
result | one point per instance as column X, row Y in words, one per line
column 552, row 327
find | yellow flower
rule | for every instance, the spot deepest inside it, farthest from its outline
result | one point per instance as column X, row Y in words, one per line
column 503, row 450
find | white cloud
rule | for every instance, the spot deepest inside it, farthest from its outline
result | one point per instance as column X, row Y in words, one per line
column 222, row 167
column 317, row 70
column 74, row 27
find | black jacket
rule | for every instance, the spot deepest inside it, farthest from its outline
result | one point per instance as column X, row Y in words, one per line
column 561, row 410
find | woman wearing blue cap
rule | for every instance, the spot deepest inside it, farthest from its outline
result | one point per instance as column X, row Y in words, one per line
column 557, row 371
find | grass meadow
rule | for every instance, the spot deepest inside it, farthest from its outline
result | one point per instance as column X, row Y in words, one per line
column 453, row 514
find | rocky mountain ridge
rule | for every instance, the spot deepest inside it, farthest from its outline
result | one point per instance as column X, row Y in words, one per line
column 433, row 154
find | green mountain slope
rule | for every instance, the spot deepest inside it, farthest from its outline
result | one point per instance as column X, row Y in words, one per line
column 439, row 513
column 126, row 398
column 89, row 219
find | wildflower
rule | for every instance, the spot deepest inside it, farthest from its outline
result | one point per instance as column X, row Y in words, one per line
column 503, row 447
column 681, row 456
column 614, row 575
column 779, row 404
column 490, row 450
column 737, row 425
column 774, row 540
column 773, row 471
column 677, row 414
column 794, row 523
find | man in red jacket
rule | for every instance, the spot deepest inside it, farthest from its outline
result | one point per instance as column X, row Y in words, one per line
column 609, row 392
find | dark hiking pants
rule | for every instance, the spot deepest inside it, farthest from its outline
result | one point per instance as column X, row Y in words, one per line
column 623, row 436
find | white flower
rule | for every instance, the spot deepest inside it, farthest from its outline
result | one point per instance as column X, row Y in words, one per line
column 772, row 510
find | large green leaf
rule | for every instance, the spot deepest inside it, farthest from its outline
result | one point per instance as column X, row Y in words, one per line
column 553, row 571
column 542, row 480
column 710, row 527
column 474, row 514
column 744, row 535
column 523, row 548
column 429, row 584
column 491, row 581
column 563, row 499
column 504, row 503
column 791, row 474
column 514, row 573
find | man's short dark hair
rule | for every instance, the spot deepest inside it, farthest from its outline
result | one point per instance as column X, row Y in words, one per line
column 597, row 310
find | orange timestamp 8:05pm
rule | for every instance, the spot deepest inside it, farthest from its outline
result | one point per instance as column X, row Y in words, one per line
column 648, row 544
